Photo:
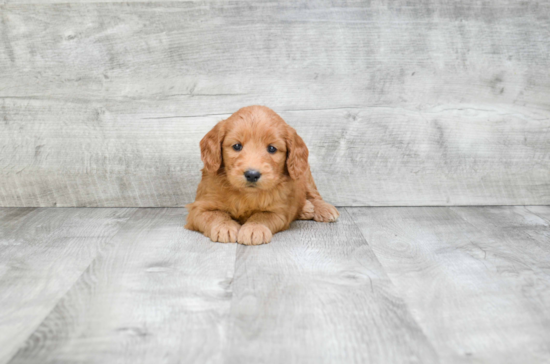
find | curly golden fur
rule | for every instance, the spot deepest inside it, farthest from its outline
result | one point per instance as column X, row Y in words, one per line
column 231, row 208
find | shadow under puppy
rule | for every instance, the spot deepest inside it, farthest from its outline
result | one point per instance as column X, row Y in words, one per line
column 255, row 181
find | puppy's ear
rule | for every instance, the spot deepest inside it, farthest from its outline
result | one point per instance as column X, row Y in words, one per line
column 297, row 153
column 211, row 148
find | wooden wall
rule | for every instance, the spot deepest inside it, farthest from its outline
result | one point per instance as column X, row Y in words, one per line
column 431, row 102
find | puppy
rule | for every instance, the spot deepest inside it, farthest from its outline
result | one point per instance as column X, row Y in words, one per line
column 255, row 181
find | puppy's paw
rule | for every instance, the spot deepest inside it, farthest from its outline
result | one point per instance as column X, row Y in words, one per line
column 226, row 232
column 325, row 212
column 253, row 233
column 308, row 211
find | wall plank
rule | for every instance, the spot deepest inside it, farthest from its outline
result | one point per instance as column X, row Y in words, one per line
column 439, row 103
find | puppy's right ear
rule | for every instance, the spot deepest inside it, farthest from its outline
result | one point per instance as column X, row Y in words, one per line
column 211, row 148
column 296, row 161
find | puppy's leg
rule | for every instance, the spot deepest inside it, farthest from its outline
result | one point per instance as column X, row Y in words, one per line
column 308, row 211
column 260, row 227
column 322, row 211
column 217, row 225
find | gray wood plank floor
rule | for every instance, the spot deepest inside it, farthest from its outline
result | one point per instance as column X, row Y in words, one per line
column 382, row 285
column 43, row 252
column 477, row 280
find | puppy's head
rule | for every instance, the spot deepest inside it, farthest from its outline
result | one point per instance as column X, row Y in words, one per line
column 256, row 148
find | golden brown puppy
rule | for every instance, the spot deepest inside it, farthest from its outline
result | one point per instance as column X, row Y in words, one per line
column 256, row 180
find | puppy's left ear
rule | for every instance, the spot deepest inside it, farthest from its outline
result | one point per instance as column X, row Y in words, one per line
column 211, row 148
column 297, row 153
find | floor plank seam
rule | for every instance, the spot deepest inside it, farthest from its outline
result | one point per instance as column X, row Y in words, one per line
column 228, row 322
column 405, row 303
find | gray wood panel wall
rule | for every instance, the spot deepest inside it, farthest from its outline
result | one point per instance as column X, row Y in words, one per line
column 401, row 103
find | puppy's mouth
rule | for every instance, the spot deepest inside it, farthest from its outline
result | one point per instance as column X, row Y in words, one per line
column 251, row 185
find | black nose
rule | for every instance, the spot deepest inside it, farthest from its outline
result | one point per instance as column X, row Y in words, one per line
column 252, row 175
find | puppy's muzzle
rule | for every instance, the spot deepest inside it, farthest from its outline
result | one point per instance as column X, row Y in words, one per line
column 252, row 175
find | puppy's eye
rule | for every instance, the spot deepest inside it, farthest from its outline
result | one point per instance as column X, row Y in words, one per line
column 237, row 147
column 271, row 149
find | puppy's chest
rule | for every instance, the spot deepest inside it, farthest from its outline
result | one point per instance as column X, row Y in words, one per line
column 242, row 208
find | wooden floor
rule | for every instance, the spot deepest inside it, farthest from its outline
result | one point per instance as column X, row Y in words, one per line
column 382, row 285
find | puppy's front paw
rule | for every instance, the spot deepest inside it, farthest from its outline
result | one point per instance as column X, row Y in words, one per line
column 226, row 232
column 325, row 212
column 253, row 233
